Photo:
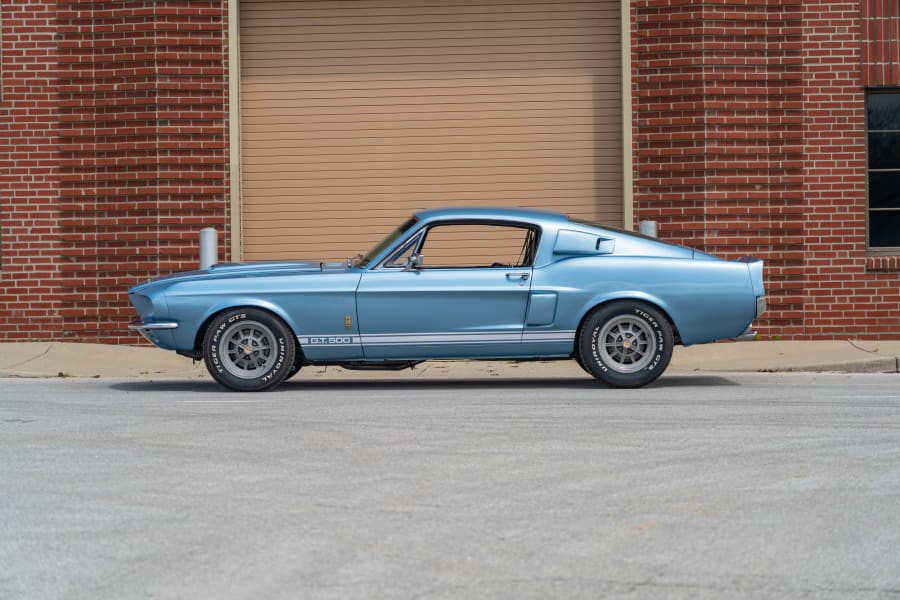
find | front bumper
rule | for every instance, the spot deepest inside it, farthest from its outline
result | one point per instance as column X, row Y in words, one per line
column 151, row 329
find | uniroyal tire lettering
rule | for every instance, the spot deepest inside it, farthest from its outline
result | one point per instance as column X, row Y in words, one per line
column 595, row 350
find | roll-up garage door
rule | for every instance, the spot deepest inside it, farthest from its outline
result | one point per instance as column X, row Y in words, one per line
column 356, row 113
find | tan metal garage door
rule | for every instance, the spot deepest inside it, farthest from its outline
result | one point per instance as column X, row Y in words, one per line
column 356, row 113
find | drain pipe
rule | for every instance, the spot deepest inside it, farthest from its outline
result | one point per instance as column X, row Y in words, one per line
column 209, row 242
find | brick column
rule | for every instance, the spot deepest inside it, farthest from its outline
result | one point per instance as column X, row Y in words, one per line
column 29, row 174
column 718, row 135
column 143, row 131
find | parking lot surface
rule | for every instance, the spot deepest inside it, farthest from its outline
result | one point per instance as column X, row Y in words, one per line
column 700, row 486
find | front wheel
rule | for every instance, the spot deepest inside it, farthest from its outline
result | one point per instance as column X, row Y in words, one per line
column 295, row 368
column 626, row 344
column 248, row 350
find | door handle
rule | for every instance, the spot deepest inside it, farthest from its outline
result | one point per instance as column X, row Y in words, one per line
column 521, row 276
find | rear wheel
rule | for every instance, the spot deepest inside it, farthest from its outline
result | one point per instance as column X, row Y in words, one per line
column 248, row 350
column 626, row 344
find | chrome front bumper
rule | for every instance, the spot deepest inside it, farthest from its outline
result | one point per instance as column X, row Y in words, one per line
column 147, row 328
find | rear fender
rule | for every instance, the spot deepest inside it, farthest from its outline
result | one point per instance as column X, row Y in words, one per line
column 633, row 295
column 755, row 267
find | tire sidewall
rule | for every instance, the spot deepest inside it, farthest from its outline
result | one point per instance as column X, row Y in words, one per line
column 212, row 349
column 295, row 367
column 592, row 359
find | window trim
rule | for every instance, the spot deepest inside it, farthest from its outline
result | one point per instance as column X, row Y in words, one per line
column 413, row 241
column 876, row 250
column 420, row 234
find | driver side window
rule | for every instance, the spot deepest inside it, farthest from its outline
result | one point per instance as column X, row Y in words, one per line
column 477, row 245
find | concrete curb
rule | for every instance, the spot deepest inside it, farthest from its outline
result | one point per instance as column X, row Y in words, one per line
column 877, row 365
column 65, row 359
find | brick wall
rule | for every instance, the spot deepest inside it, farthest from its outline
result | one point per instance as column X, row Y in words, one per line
column 130, row 157
column 29, row 173
column 848, row 292
column 718, row 135
column 750, row 139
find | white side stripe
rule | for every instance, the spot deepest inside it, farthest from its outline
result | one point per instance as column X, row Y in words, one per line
column 543, row 336
column 400, row 339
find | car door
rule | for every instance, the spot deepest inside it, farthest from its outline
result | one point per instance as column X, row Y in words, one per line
column 454, row 290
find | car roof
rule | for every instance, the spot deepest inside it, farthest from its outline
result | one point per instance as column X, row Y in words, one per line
column 490, row 212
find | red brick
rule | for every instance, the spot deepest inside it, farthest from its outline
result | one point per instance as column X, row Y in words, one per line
column 748, row 129
column 807, row 179
column 98, row 156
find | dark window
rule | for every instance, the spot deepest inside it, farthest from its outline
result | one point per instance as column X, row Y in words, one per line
column 883, row 125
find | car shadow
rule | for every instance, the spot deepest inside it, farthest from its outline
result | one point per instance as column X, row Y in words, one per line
column 209, row 386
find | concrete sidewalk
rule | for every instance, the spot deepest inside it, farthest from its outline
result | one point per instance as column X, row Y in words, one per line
column 62, row 359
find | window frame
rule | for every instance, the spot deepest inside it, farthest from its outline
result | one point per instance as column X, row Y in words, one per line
column 420, row 235
column 413, row 243
column 870, row 249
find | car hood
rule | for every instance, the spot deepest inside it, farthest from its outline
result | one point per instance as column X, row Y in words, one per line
column 245, row 270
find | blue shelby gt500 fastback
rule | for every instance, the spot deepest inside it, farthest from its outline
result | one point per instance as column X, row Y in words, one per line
column 477, row 283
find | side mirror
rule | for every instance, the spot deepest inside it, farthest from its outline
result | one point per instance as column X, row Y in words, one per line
column 414, row 262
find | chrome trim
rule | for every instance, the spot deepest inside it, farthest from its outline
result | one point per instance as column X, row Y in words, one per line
column 749, row 335
column 760, row 306
column 139, row 325
column 145, row 327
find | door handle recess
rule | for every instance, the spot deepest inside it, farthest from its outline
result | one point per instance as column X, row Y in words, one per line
column 522, row 276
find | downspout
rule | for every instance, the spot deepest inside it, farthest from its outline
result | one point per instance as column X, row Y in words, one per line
column 234, row 130
column 627, row 153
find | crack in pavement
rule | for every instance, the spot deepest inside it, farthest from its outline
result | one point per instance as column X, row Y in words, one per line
column 33, row 358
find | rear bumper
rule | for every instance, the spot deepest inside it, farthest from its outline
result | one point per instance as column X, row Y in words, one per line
column 749, row 335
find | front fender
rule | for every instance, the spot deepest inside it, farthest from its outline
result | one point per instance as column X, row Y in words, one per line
column 249, row 302
column 190, row 331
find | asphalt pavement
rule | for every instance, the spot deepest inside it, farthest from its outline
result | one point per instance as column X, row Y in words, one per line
column 701, row 486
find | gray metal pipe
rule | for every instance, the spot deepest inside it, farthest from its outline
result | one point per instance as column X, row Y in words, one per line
column 648, row 228
column 209, row 243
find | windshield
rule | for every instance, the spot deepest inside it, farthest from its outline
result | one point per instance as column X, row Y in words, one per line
column 364, row 260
